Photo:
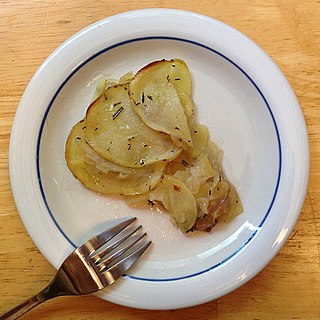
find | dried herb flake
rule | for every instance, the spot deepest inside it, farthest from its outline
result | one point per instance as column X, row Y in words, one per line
column 151, row 202
column 117, row 113
column 184, row 162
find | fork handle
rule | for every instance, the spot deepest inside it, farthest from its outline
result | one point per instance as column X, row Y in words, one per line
column 27, row 305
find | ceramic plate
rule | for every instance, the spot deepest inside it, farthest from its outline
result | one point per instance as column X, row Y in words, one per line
column 251, row 112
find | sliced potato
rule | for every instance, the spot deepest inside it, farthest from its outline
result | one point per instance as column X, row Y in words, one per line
column 187, row 158
column 157, row 102
column 180, row 76
column 196, row 175
column 234, row 207
column 103, row 84
column 139, row 200
column 200, row 136
column 103, row 176
column 126, row 78
column 178, row 200
column 217, row 199
column 219, row 203
column 181, row 79
column 183, row 161
column 188, row 105
column 116, row 133
column 140, row 140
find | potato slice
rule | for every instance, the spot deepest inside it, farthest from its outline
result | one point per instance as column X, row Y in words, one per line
column 157, row 102
column 196, row 175
column 103, row 176
column 200, row 136
column 180, row 76
column 188, row 105
column 116, row 133
column 178, row 200
column 188, row 157
column 219, row 203
column 140, row 140
column 103, row 84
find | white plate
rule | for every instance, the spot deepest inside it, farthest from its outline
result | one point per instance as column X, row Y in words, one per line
column 251, row 112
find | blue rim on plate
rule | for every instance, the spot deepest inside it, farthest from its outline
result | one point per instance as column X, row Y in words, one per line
column 196, row 44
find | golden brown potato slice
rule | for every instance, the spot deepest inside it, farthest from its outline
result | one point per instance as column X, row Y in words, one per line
column 118, row 134
column 103, row 176
column 156, row 100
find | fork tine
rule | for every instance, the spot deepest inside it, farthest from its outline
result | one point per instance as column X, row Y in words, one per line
column 111, row 274
column 104, row 262
column 97, row 241
column 107, row 248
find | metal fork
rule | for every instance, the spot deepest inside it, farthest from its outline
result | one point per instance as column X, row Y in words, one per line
column 94, row 265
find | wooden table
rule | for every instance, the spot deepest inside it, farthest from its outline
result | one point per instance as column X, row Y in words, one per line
column 289, row 31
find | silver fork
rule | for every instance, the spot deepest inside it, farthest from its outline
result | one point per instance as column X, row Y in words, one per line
column 94, row 265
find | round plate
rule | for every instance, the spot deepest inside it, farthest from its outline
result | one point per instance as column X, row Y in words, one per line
column 251, row 112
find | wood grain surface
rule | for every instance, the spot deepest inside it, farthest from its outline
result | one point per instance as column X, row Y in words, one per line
column 289, row 31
